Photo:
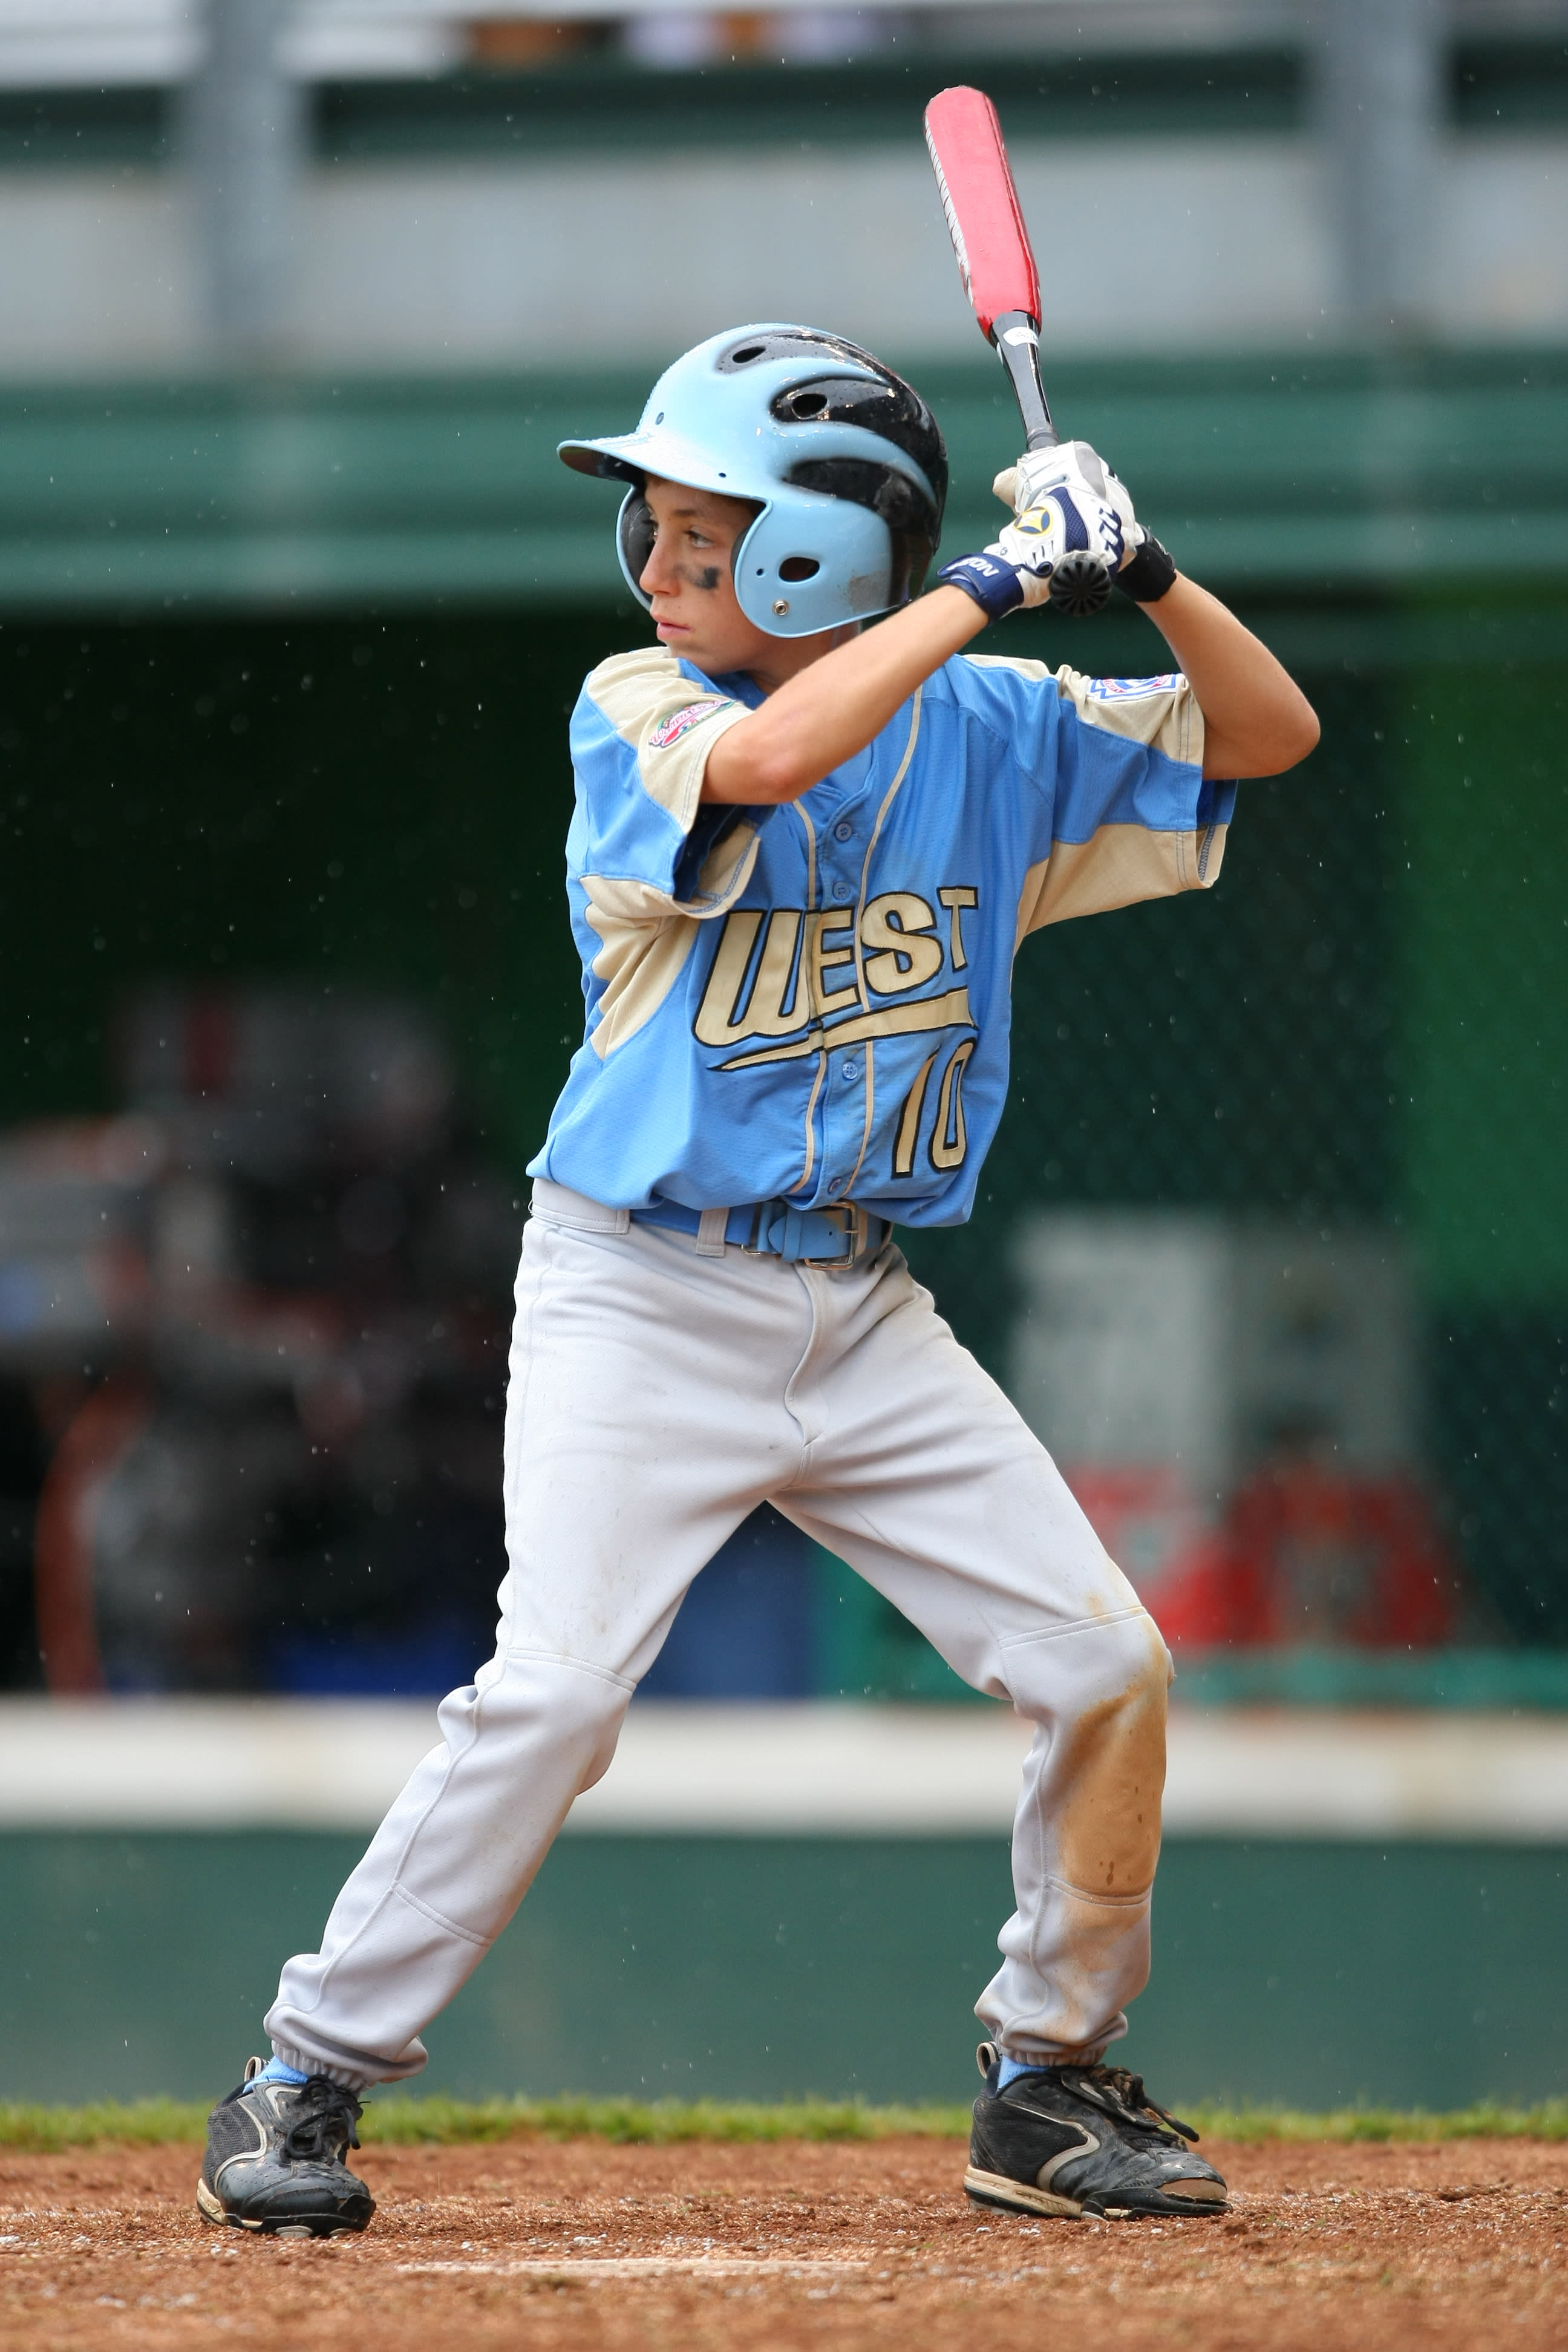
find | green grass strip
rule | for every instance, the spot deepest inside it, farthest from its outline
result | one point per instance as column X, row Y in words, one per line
column 1347, row 2126
column 398, row 2121
column 395, row 2121
column 663, row 2123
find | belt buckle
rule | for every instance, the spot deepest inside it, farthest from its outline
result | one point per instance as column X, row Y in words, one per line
column 848, row 1219
column 855, row 1229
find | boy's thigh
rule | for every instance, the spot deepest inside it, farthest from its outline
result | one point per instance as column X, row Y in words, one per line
column 929, row 1482
column 644, row 1421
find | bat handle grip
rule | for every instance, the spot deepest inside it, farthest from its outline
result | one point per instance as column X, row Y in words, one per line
column 1081, row 582
column 1017, row 340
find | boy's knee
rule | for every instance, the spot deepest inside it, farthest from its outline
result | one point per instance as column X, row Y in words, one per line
column 556, row 1704
column 1118, row 1661
column 1137, row 1662
column 600, row 1715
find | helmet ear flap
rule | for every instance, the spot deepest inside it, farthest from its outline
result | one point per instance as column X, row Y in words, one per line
column 634, row 532
column 800, row 568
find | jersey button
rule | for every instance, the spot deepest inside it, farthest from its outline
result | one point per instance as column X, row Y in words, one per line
column 849, row 1069
column 843, row 891
column 843, row 833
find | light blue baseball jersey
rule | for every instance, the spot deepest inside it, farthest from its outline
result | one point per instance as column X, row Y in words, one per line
column 812, row 1001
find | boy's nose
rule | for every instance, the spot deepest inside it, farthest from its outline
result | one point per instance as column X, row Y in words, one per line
column 655, row 575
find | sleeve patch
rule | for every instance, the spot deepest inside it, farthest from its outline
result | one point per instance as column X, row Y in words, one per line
column 681, row 722
column 1133, row 689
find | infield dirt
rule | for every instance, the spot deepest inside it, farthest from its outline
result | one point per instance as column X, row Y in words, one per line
column 568, row 2246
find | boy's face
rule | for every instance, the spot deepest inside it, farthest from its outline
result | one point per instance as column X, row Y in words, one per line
column 690, row 581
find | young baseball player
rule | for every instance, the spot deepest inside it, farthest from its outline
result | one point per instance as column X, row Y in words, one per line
column 802, row 857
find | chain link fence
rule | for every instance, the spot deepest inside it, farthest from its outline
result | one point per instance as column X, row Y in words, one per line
column 1347, row 1055
column 1267, row 1055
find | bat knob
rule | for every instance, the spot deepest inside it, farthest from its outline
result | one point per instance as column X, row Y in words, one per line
column 1080, row 584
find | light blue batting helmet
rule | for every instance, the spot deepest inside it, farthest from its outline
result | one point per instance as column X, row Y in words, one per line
column 844, row 458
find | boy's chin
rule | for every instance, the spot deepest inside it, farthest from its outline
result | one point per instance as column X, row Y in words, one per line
column 705, row 649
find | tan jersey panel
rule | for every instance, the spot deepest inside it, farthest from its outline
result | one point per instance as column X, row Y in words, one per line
column 639, row 965
column 1168, row 721
column 1120, row 864
column 646, row 934
column 642, row 693
column 649, row 937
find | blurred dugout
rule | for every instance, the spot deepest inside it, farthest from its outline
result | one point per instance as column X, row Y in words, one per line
column 253, row 1332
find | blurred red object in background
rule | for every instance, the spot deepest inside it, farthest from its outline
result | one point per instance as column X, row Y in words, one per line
column 1299, row 1555
column 1315, row 1556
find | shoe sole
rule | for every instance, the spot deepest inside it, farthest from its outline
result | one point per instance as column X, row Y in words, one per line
column 1016, row 2195
column 1208, row 2199
column 293, row 2225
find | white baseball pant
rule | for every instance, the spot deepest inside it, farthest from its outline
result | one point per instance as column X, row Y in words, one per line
column 660, row 1391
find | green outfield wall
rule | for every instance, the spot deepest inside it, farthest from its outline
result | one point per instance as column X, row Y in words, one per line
column 1311, row 1973
column 1318, row 474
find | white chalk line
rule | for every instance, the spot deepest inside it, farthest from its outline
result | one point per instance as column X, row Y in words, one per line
column 631, row 2266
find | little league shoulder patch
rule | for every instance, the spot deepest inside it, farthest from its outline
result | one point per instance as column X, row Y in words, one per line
column 1130, row 689
column 681, row 722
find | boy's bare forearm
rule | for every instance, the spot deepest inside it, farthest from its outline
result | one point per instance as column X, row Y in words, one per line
column 1257, row 720
column 831, row 710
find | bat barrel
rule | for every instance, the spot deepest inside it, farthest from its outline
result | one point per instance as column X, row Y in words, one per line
column 996, row 264
column 986, row 221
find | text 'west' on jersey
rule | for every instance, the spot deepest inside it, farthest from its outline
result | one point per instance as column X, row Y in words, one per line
column 812, row 1000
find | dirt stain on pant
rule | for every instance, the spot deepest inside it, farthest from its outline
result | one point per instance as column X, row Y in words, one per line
column 1112, row 1775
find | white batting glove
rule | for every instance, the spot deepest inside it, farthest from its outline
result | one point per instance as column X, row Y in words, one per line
column 1075, row 466
column 1078, row 463
column 1145, row 569
column 1067, row 517
column 1071, row 530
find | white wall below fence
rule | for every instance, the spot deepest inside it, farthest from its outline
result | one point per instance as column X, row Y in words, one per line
column 802, row 1770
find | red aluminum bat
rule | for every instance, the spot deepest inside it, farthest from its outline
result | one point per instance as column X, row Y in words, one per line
column 996, row 263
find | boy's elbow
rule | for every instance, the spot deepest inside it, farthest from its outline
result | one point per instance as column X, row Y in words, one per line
column 1268, row 745
column 754, row 775
column 774, row 780
column 1288, row 741
column 784, row 758
column 1304, row 732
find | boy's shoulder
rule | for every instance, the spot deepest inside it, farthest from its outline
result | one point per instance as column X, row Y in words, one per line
column 1003, row 686
column 1001, row 691
column 1018, row 666
column 1009, row 678
column 640, row 676
column 648, row 697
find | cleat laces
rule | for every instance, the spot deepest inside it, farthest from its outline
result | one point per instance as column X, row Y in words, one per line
column 1118, row 2086
column 323, row 2123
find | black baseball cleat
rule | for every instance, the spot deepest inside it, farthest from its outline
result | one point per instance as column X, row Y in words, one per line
column 1076, row 2140
column 275, row 2159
